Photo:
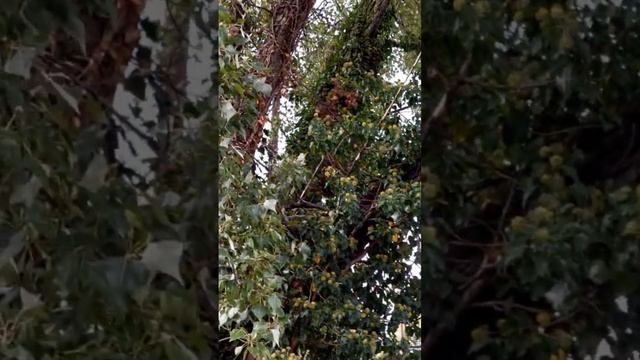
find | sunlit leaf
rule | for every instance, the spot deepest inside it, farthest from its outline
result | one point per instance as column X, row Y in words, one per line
column 95, row 175
column 21, row 61
column 164, row 256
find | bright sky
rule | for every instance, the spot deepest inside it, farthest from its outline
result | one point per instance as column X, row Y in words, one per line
column 199, row 69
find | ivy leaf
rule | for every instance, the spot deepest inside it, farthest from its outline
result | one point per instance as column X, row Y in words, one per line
column 140, row 294
column 16, row 244
column 270, row 204
column 94, row 177
column 170, row 199
column 222, row 319
column 598, row 272
column 275, row 332
column 26, row 193
column 116, row 278
column 238, row 350
column 227, row 110
column 243, row 315
column 164, row 256
column 275, row 304
column 259, row 311
column 68, row 98
column 305, row 250
column 480, row 337
column 232, row 312
column 236, row 334
column 18, row 353
column 122, row 274
column 261, row 86
column 75, row 28
column 151, row 29
column 137, row 85
column 20, row 63
column 514, row 252
column 176, row 350
column 557, row 295
column 29, row 300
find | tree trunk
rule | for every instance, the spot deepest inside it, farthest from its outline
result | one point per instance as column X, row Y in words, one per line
column 287, row 22
column 109, row 47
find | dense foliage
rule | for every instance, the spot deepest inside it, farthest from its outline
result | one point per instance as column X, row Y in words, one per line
column 96, row 262
column 315, row 254
column 530, row 181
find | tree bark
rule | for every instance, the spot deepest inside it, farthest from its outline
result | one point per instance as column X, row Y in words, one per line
column 288, row 19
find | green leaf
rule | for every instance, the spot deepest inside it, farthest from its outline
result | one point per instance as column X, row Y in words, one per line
column 170, row 199
column 75, row 28
column 26, row 193
column 222, row 318
column 136, row 84
column 301, row 158
column 94, row 177
column 18, row 353
column 237, row 350
column 514, row 251
column 68, row 98
column 270, row 204
column 305, row 250
column 480, row 337
column 259, row 311
column 227, row 110
column 236, row 334
column 164, row 256
column 20, row 63
column 275, row 304
column 140, row 294
column 15, row 245
column 275, row 332
column 598, row 272
column 133, row 218
column 29, row 300
column 176, row 350
column 557, row 295
column 151, row 29
column 117, row 278
column 232, row 312
column 261, row 86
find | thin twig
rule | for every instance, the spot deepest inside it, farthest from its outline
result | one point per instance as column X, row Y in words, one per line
column 567, row 130
column 312, row 177
column 150, row 141
column 440, row 109
column 470, row 244
column 527, row 86
column 306, row 204
column 506, row 207
column 174, row 21
column 506, row 305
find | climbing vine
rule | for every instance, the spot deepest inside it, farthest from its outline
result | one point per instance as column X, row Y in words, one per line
column 317, row 254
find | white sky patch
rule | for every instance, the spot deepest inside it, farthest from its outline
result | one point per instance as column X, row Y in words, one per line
column 199, row 68
column 156, row 11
